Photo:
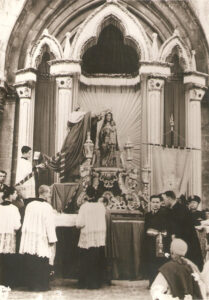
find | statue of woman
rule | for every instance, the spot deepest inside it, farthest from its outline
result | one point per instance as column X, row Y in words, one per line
column 108, row 144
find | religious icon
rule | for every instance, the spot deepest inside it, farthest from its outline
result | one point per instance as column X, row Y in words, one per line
column 108, row 143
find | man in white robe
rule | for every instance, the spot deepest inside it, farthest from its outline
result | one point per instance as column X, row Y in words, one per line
column 24, row 168
column 38, row 240
column 9, row 224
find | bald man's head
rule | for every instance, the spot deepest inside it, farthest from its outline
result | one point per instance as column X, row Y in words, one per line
column 44, row 192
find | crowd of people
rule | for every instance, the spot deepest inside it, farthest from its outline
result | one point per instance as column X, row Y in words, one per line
column 175, row 254
column 175, row 261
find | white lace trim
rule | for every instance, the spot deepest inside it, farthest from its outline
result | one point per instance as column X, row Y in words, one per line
column 91, row 239
column 7, row 242
column 35, row 244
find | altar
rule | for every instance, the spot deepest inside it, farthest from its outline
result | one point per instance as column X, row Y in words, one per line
column 125, row 233
column 124, row 249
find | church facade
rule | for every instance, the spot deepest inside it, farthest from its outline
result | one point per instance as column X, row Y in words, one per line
column 146, row 61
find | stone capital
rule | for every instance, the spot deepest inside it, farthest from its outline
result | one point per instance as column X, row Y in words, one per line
column 64, row 82
column 155, row 84
column 196, row 94
column 24, row 92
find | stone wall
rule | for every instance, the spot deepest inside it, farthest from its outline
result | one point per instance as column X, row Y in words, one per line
column 205, row 151
column 9, row 11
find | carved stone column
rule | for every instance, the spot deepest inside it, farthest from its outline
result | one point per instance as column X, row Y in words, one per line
column 25, row 131
column 193, row 137
column 24, row 84
column 152, row 75
column 195, row 89
column 155, row 110
column 64, row 107
column 66, row 73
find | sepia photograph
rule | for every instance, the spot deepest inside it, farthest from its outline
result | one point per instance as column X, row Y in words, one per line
column 104, row 149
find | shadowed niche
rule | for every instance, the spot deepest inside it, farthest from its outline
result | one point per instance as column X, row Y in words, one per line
column 110, row 55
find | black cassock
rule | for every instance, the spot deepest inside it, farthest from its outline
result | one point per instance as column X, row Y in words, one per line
column 157, row 221
column 182, row 226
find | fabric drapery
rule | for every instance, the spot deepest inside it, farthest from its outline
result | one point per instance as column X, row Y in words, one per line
column 72, row 149
column 126, row 106
column 171, row 169
column 174, row 105
column 44, row 122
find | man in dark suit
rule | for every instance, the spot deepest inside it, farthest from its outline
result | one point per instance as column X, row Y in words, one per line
column 3, row 186
column 155, row 224
column 181, row 226
column 197, row 215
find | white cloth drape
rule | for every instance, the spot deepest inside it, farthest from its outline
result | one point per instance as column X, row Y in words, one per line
column 9, row 223
column 38, row 230
column 171, row 170
column 91, row 219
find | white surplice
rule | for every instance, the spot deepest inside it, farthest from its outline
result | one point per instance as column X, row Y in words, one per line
column 38, row 230
column 9, row 223
column 24, row 168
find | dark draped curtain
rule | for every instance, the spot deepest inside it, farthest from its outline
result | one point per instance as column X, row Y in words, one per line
column 174, row 106
column 45, row 118
column 110, row 55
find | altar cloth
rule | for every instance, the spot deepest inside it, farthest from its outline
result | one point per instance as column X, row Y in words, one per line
column 65, row 220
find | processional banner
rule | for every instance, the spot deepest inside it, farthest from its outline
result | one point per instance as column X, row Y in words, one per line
column 171, row 169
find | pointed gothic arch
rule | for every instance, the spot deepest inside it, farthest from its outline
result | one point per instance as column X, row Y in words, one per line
column 183, row 52
column 36, row 52
column 88, row 33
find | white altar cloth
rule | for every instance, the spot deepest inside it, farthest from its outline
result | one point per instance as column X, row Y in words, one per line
column 65, row 220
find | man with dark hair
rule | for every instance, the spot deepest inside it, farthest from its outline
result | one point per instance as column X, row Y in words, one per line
column 181, row 226
column 3, row 186
column 24, row 168
column 197, row 215
column 155, row 231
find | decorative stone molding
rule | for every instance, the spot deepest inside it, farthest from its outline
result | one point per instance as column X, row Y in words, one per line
column 25, row 75
column 155, row 69
column 88, row 33
column 2, row 100
column 64, row 82
column 112, row 1
column 183, row 51
column 7, row 94
column 195, row 78
column 155, row 84
column 35, row 53
column 66, row 54
column 155, row 50
column 65, row 67
column 109, row 80
column 24, row 92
